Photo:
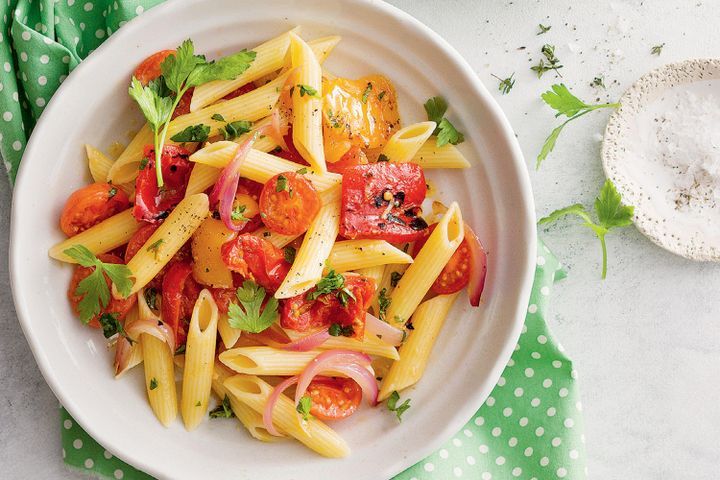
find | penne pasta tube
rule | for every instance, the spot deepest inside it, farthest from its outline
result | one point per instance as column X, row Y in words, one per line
column 371, row 344
column 428, row 264
column 201, row 178
column 314, row 434
column 228, row 334
column 172, row 234
column 354, row 254
column 98, row 163
column 406, row 142
column 251, row 106
column 159, row 378
column 389, row 280
column 260, row 166
column 111, row 233
column 266, row 360
column 431, row 156
column 249, row 418
column 427, row 321
column 277, row 239
column 307, row 104
column 310, row 258
column 199, row 361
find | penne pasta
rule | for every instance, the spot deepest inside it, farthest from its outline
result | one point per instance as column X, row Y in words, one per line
column 228, row 334
column 307, row 104
column 310, row 258
column 159, row 378
column 260, row 166
column 172, row 234
column 107, row 235
column 429, row 262
column 199, row 361
column 201, row 178
column 371, row 344
column 387, row 283
column 406, row 142
column 427, row 321
column 98, row 163
column 266, row 360
column 354, row 254
column 251, row 106
column 249, row 418
column 431, row 156
column 277, row 239
column 314, row 434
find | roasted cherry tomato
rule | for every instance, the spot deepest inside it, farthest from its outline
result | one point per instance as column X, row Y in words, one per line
column 179, row 293
column 138, row 240
column 288, row 203
column 360, row 113
column 291, row 153
column 118, row 306
column 91, row 205
column 352, row 158
column 302, row 314
column 224, row 297
column 247, row 88
column 256, row 259
column 149, row 69
column 333, row 398
column 183, row 106
column 456, row 274
column 381, row 200
column 152, row 204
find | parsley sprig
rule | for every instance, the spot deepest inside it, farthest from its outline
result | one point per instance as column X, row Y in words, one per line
column 445, row 131
column 248, row 317
column 392, row 404
column 565, row 103
column 180, row 72
column 611, row 213
column 93, row 288
column 506, row 84
column 550, row 62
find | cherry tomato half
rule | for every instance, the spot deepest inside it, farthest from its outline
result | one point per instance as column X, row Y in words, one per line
column 256, row 259
column 118, row 306
column 153, row 204
column 288, row 203
column 91, row 205
column 179, row 293
column 149, row 69
column 334, row 398
column 456, row 274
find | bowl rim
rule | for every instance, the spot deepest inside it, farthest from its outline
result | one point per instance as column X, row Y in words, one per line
column 525, row 223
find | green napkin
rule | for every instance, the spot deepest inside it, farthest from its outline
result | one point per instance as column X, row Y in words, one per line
column 531, row 425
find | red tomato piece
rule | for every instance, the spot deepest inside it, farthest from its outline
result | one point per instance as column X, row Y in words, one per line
column 153, row 204
column 179, row 293
column 138, row 240
column 334, row 398
column 183, row 106
column 91, row 205
column 288, row 203
column 301, row 314
column 149, row 69
column 456, row 274
column 224, row 297
column 291, row 153
column 256, row 259
column 250, row 187
column 352, row 158
column 247, row 88
column 118, row 306
column 367, row 194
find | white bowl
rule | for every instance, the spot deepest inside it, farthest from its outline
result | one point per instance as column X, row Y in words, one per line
column 92, row 106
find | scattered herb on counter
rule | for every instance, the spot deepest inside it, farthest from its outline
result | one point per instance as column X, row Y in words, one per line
column 657, row 49
column 610, row 212
column 564, row 103
column 543, row 28
column 598, row 82
column 506, row 84
column 550, row 62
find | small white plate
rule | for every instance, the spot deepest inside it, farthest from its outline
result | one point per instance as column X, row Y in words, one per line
column 638, row 156
column 93, row 106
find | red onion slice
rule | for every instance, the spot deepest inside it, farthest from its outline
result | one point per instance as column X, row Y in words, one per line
column 272, row 400
column 384, row 330
column 478, row 266
column 278, row 128
column 149, row 323
column 302, row 344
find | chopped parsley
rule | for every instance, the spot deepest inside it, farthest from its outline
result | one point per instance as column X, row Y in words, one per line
column 392, row 405
column 150, row 295
column 543, row 28
column 112, row 326
column 155, row 247
column 282, row 184
column 302, row 171
column 218, row 117
column 395, row 278
column 193, row 133
column 366, row 92
column 223, row 410
column 289, row 253
column 304, row 406
column 383, row 158
column 329, row 283
column 234, row 129
column 598, row 81
column 337, row 330
column 143, row 164
column 238, row 213
column 657, row 49
column 180, row 350
column 506, row 84
column 112, row 192
column 381, row 95
column 153, row 383
column 383, row 303
column 550, row 62
column 307, row 90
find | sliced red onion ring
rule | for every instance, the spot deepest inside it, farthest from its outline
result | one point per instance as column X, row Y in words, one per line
column 384, row 330
column 278, row 128
column 123, row 352
column 302, row 344
column 478, row 266
column 346, row 362
column 154, row 327
column 272, row 400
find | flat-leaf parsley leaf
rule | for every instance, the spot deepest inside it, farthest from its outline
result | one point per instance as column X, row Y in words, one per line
column 248, row 317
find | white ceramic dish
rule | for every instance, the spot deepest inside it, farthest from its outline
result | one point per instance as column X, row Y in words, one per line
column 93, row 106
column 633, row 148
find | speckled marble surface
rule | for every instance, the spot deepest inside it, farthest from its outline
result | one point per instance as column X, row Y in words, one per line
column 646, row 341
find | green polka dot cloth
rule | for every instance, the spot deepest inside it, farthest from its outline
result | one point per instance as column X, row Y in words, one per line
column 530, row 427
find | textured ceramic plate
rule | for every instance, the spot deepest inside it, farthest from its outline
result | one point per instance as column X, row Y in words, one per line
column 647, row 144
column 93, row 107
